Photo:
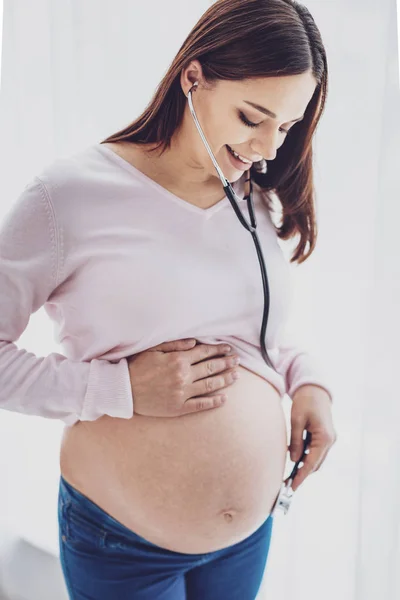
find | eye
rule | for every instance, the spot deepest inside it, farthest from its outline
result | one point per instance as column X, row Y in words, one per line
column 244, row 120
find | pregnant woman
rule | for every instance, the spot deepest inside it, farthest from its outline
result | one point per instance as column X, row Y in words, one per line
column 173, row 452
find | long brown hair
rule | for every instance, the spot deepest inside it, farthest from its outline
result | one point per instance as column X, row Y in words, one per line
column 242, row 39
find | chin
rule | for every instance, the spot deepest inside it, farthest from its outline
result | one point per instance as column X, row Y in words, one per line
column 238, row 175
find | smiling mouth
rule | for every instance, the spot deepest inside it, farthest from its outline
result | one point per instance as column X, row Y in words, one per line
column 249, row 163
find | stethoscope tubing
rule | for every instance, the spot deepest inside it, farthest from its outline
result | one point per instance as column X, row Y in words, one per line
column 284, row 496
column 252, row 226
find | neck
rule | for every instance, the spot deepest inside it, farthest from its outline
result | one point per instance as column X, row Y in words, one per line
column 176, row 169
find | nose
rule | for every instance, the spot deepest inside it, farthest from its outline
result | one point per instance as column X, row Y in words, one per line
column 266, row 146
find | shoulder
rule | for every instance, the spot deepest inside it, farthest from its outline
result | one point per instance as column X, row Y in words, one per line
column 66, row 172
column 75, row 182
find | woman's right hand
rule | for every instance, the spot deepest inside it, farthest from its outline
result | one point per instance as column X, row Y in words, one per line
column 171, row 379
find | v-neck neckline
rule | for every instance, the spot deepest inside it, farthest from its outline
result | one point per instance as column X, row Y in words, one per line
column 207, row 212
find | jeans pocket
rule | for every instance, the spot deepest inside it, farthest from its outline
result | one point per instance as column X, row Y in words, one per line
column 80, row 528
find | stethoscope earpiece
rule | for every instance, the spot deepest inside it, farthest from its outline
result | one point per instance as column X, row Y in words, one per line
column 194, row 86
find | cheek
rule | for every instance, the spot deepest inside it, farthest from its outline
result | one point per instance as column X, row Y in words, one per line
column 235, row 134
column 224, row 128
column 221, row 129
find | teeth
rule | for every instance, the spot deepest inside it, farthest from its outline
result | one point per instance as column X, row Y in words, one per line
column 241, row 158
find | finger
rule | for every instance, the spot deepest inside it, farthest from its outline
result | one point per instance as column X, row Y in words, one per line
column 323, row 458
column 296, row 440
column 309, row 464
column 312, row 468
column 174, row 345
column 200, row 352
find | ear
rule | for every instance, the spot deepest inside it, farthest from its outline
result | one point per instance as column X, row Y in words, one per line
column 190, row 75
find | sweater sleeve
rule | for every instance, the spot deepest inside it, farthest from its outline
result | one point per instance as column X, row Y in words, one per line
column 299, row 366
column 54, row 386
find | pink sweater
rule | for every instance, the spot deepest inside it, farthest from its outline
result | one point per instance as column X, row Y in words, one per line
column 121, row 264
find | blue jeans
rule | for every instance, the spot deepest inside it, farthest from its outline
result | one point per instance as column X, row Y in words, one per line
column 101, row 559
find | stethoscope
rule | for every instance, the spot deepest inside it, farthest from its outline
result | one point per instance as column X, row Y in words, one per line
column 285, row 495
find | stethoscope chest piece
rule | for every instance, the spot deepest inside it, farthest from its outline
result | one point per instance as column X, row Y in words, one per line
column 284, row 500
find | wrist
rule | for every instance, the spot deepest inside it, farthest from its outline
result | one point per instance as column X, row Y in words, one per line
column 312, row 389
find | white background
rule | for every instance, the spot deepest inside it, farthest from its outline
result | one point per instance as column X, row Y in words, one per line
column 74, row 72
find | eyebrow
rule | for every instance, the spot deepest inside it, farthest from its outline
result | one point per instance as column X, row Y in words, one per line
column 269, row 112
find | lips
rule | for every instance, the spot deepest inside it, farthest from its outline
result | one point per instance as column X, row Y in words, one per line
column 231, row 150
column 236, row 163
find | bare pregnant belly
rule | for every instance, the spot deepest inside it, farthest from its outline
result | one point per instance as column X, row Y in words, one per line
column 195, row 483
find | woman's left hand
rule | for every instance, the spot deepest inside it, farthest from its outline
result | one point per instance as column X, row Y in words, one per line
column 311, row 411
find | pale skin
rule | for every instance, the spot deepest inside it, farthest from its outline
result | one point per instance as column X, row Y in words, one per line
column 187, row 171
column 186, row 168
